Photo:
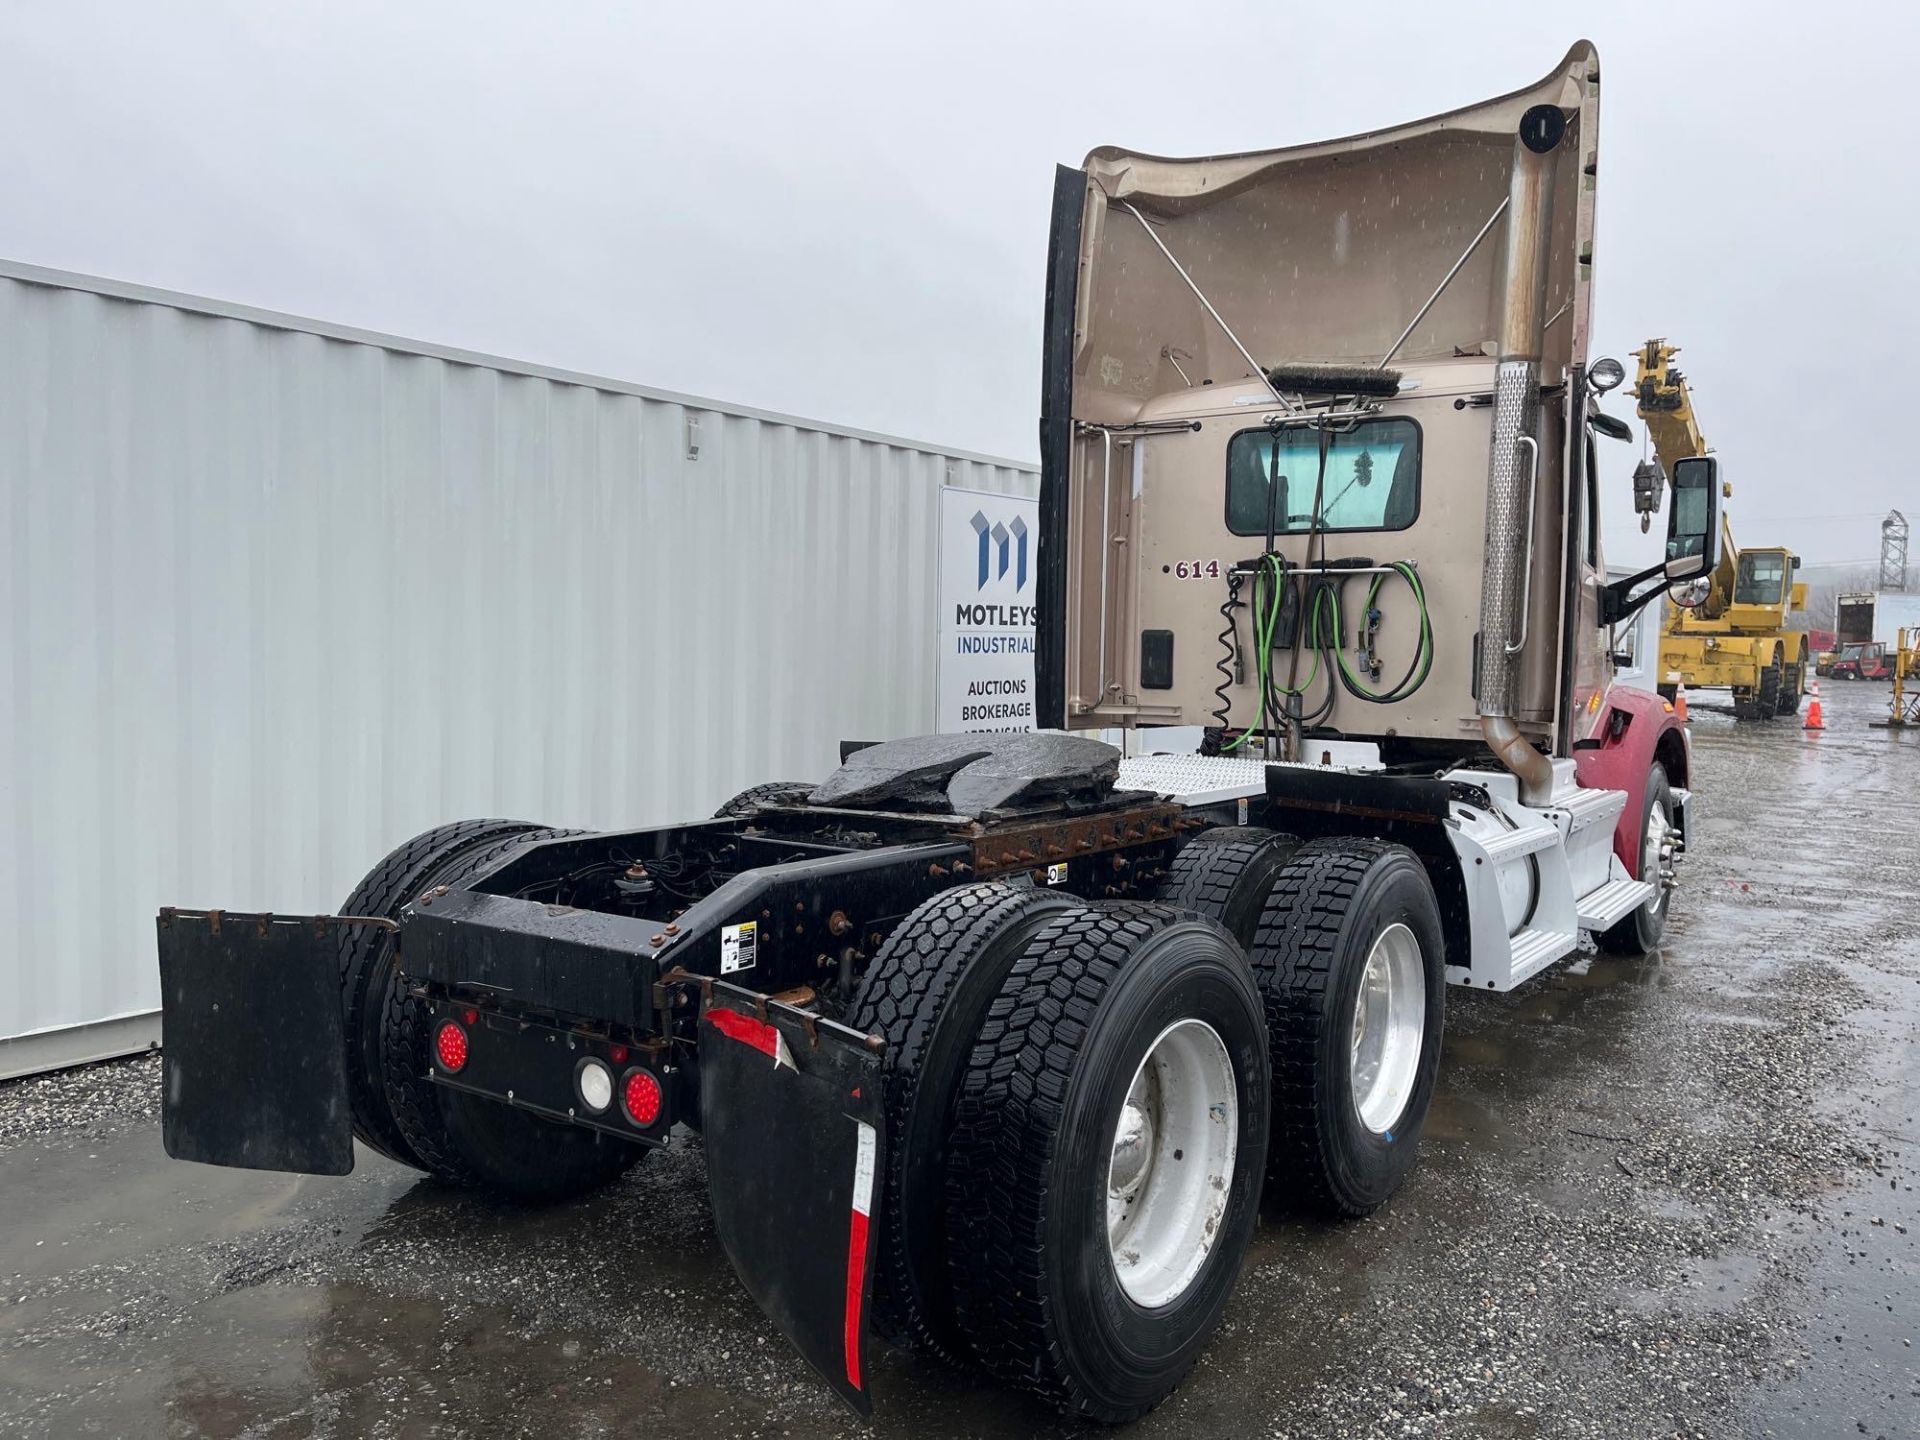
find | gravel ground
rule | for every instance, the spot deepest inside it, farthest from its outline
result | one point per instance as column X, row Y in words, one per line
column 1672, row 1196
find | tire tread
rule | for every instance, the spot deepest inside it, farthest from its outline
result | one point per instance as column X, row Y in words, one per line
column 1206, row 876
column 1293, row 957
column 750, row 799
column 405, row 871
column 1007, row 1119
column 412, row 1098
column 903, row 997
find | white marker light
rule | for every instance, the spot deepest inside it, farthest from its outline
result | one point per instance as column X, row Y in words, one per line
column 596, row 1086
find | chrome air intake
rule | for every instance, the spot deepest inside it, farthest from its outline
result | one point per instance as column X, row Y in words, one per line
column 1513, row 460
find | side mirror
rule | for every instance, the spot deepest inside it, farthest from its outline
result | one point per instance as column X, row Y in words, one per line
column 1606, row 425
column 1693, row 520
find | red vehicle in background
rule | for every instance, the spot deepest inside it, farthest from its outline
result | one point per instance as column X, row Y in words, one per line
column 1863, row 662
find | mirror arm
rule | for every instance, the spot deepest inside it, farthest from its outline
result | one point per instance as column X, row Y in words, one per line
column 1618, row 600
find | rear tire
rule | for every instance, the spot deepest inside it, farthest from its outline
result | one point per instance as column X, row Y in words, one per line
column 1641, row 931
column 482, row 1144
column 774, row 792
column 1062, row 1128
column 1347, row 915
column 927, row 993
column 1225, row 874
column 1792, row 691
column 368, row 976
column 1763, row 701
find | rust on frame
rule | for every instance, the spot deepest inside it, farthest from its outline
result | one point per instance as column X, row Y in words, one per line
column 1018, row 847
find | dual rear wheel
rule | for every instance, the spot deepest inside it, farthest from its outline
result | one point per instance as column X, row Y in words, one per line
column 397, row 1111
column 1343, row 937
column 1086, row 1102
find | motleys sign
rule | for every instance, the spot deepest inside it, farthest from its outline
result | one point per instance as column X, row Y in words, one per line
column 988, row 546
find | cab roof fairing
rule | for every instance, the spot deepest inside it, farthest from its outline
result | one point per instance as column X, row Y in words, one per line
column 1323, row 252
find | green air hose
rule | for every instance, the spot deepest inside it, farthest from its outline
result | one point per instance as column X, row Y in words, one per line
column 1324, row 624
column 1327, row 599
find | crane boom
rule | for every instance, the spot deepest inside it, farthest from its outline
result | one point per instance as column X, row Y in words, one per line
column 1739, row 635
column 1665, row 406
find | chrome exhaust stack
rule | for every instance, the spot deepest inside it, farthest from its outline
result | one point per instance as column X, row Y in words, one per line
column 1513, row 463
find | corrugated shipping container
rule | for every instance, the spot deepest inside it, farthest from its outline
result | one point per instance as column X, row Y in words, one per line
column 280, row 594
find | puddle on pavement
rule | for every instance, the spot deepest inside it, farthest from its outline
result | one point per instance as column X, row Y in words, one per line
column 1705, row 1285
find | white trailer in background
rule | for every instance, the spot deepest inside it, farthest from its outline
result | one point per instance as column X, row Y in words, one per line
column 1894, row 611
column 216, row 513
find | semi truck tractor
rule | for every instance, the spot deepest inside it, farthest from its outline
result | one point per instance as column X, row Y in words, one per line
column 996, row 1042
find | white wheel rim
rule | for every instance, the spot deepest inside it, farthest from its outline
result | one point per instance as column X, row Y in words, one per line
column 1389, row 1024
column 1171, row 1169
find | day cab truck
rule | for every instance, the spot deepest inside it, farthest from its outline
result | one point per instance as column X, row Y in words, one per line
column 995, row 1042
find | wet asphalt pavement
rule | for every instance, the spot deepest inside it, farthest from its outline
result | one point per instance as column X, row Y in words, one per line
column 1678, row 1195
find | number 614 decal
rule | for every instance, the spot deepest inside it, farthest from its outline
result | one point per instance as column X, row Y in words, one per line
column 1194, row 570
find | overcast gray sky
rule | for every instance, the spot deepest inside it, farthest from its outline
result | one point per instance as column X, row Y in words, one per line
column 839, row 210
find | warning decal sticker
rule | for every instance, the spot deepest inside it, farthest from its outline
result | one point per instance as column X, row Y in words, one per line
column 737, row 945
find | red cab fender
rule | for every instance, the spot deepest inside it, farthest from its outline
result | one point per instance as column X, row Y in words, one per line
column 1633, row 731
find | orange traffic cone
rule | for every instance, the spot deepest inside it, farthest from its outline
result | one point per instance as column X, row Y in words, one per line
column 1680, row 702
column 1814, row 720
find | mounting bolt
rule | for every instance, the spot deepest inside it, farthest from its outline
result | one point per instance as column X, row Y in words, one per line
column 838, row 922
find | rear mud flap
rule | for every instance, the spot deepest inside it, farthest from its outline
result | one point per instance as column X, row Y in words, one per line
column 253, row 1058
column 792, row 1115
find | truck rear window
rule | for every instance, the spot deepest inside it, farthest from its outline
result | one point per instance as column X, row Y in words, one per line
column 1371, row 482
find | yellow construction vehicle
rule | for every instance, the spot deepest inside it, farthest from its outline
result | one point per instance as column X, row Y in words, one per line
column 1728, row 630
column 1904, row 709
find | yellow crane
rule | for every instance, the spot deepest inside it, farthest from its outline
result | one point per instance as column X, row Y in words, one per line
column 1731, row 631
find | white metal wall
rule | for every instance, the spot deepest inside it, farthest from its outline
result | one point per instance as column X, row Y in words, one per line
column 279, row 595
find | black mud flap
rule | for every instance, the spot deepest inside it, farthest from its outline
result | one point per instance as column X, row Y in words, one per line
column 792, row 1116
column 253, row 1056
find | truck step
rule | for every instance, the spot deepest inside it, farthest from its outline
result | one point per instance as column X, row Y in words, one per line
column 1512, row 844
column 1534, row 950
column 1613, row 902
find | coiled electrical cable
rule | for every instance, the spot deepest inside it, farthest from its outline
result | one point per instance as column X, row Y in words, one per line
column 1229, row 662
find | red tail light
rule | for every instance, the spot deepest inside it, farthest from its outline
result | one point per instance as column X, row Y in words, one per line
column 450, row 1047
column 642, row 1095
